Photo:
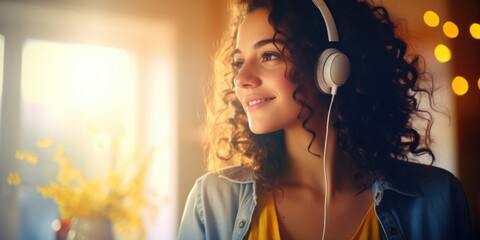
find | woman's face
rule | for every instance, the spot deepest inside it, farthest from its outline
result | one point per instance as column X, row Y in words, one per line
column 261, row 83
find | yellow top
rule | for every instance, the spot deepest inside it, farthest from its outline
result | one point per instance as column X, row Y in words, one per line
column 265, row 223
column 369, row 228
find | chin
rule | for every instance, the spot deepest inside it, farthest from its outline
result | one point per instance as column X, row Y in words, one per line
column 259, row 130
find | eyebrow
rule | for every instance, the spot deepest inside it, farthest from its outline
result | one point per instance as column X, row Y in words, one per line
column 262, row 43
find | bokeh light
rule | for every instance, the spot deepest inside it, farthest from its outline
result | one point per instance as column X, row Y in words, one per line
column 475, row 30
column 450, row 29
column 431, row 18
column 442, row 53
column 478, row 83
column 460, row 85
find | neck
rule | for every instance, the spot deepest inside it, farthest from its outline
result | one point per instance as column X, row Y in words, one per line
column 306, row 164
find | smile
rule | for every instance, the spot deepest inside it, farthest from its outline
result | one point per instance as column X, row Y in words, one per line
column 257, row 101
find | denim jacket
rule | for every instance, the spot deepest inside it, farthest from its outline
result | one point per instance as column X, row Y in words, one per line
column 418, row 202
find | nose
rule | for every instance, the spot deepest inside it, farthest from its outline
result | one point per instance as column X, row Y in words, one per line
column 247, row 76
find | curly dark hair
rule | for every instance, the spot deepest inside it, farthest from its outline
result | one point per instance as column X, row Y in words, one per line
column 378, row 116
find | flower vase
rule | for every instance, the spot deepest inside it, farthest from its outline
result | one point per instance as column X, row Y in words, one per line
column 90, row 229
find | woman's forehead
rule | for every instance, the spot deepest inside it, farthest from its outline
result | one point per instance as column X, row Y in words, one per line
column 256, row 27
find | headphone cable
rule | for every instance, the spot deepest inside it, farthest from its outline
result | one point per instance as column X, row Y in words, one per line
column 325, row 167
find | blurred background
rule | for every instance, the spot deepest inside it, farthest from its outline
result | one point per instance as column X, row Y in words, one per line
column 104, row 78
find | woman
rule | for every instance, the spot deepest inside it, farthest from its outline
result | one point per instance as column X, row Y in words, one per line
column 293, row 174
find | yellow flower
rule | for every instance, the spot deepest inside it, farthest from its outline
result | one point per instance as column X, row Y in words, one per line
column 44, row 143
column 23, row 155
column 14, row 179
column 20, row 155
column 120, row 195
column 31, row 158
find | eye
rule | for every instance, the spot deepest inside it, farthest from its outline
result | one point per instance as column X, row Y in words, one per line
column 237, row 64
column 270, row 56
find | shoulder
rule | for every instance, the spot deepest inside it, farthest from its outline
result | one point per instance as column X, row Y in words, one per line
column 417, row 172
column 220, row 195
column 426, row 196
column 217, row 203
column 229, row 176
column 423, row 179
column 225, row 182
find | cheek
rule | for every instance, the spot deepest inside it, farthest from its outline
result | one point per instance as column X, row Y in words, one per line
column 282, row 79
column 239, row 94
column 285, row 87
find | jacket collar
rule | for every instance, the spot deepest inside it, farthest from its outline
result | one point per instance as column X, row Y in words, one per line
column 241, row 175
column 237, row 174
column 381, row 185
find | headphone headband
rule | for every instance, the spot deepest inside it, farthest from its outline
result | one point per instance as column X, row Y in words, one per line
column 328, row 19
column 333, row 67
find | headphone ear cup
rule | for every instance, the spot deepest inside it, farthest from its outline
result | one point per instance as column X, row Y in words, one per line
column 332, row 70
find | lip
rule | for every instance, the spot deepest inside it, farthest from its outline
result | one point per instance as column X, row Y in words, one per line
column 253, row 102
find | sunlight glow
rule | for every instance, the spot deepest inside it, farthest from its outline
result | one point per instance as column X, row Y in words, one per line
column 431, row 18
column 460, row 85
column 450, row 29
column 86, row 77
column 442, row 53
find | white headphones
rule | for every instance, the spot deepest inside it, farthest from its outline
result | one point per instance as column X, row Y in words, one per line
column 333, row 66
column 332, row 70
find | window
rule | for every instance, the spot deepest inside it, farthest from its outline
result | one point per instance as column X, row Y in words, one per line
column 81, row 97
column 85, row 80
